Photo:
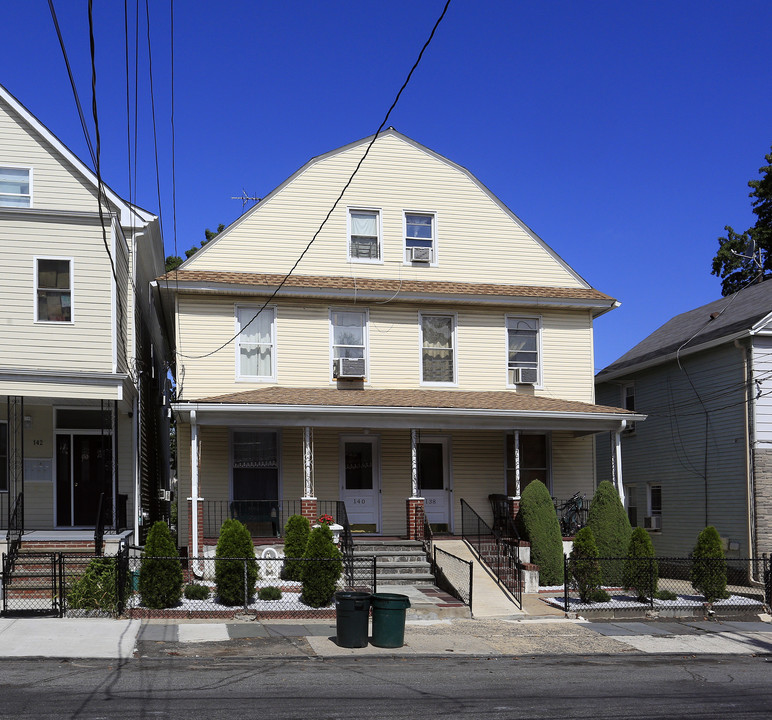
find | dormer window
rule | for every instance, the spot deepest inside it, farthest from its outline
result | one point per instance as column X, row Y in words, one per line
column 364, row 235
column 15, row 187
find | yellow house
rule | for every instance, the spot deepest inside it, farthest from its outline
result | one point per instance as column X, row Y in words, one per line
column 398, row 347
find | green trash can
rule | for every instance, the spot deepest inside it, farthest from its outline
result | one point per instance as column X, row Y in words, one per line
column 352, row 611
column 389, row 611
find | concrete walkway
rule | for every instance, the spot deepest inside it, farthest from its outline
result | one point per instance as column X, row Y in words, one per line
column 489, row 600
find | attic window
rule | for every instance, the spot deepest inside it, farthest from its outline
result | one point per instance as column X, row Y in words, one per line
column 15, row 187
column 364, row 235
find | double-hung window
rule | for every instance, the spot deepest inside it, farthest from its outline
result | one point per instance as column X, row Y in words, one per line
column 256, row 345
column 653, row 521
column 420, row 238
column 628, row 403
column 15, row 187
column 522, row 351
column 53, row 289
column 364, row 235
column 349, row 343
column 534, row 456
column 438, row 349
column 631, row 501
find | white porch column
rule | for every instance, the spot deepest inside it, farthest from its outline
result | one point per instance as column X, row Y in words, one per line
column 616, row 461
column 517, row 464
column 414, row 462
column 308, row 465
column 195, row 501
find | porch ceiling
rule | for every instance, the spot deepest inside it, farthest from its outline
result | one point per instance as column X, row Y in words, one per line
column 423, row 409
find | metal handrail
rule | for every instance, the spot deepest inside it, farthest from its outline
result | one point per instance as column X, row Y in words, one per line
column 15, row 532
column 347, row 539
column 99, row 526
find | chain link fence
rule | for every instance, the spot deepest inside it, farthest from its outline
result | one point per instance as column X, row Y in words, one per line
column 666, row 583
column 453, row 575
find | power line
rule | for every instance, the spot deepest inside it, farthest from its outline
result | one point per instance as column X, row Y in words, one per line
column 339, row 198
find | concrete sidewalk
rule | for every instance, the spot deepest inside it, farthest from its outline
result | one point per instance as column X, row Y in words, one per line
column 124, row 639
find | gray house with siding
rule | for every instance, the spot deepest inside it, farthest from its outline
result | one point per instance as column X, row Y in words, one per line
column 704, row 455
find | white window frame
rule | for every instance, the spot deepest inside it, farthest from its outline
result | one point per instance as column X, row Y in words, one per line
column 255, row 378
column 539, row 384
column 29, row 170
column 366, row 336
column 71, row 261
column 426, row 213
column 631, row 492
column 649, row 509
column 630, row 427
column 454, row 317
column 379, row 242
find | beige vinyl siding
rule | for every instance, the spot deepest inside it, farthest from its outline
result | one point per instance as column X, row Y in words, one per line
column 669, row 448
column 83, row 345
column 56, row 185
column 477, row 241
column 573, row 465
column 303, row 347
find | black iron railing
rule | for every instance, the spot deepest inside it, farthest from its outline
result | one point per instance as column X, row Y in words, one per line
column 99, row 525
column 428, row 537
column 15, row 532
column 500, row 554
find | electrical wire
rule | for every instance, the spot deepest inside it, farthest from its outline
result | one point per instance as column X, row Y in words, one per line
column 337, row 201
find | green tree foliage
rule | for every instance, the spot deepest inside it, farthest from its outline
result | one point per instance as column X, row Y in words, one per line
column 174, row 261
column 709, row 565
column 744, row 258
column 538, row 523
column 609, row 522
column 583, row 565
column 234, row 550
column 97, row 588
column 322, row 568
column 641, row 571
column 296, row 533
column 160, row 573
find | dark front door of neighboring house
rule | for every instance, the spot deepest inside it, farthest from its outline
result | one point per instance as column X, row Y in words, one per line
column 83, row 471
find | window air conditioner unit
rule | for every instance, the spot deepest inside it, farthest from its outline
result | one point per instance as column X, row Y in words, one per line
column 164, row 495
column 653, row 522
column 523, row 376
column 419, row 254
column 349, row 368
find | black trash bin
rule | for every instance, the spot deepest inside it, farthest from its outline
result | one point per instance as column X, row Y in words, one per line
column 389, row 611
column 352, row 611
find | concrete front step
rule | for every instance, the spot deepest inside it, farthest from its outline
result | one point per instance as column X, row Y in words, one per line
column 416, row 579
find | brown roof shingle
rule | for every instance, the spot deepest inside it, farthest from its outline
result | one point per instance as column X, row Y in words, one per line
column 375, row 284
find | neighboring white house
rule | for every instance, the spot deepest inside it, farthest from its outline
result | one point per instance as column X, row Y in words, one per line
column 428, row 348
column 82, row 355
column 704, row 455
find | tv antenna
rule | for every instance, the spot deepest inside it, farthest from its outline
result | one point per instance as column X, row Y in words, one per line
column 246, row 199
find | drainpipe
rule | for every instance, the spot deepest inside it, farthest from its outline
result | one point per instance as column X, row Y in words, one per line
column 194, row 492
column 135, row 455
column 517, row 463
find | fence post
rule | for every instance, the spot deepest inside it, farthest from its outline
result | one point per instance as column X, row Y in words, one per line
column 767, row 580
column 565, row 583
column 246, row 596
column 471, row 577
column 652, row 583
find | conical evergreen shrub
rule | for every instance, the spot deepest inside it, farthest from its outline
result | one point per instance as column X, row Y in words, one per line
column 709, row 565
column 296, row 533
column 611, row 529
column 234, row 546
column 584, row 568
column 322, row 566
column 641, row 571
column 160, row 571
column 538, row 523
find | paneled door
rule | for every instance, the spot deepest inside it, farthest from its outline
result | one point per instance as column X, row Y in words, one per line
column 361, row 483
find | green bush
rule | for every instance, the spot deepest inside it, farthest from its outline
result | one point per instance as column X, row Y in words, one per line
column 584, row 567
column 611, row 529
column 97, row 588
column 296, row 533
column 269, row 593
column 641, row 571
column 160, row 573
column 599, row 595
column 234, row 546
column 322, row 567
column 708, row 574
column 538, row 523
column 665, row 595
column 196, row 592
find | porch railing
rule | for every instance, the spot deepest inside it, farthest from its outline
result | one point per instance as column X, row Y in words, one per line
column 500, row 554
column 14, row 534
column 4, row 510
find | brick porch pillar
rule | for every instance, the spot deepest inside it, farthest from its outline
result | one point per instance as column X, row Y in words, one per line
column 415, row 518
column 309, row 509
column 514, row 507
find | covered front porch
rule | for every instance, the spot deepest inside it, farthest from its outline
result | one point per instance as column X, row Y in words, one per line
column 396, row 459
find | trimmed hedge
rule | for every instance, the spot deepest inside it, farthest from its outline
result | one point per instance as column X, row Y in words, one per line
column 584, row 567
column 97, row 588
column 610, row 527
column 160, row 572
column 296, row 532
column 641, row 571
column 233, row 546
column 708, row 574
column 321, row 569
column 538, row 523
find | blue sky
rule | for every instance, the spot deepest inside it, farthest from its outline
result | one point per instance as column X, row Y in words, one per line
column 623, row 134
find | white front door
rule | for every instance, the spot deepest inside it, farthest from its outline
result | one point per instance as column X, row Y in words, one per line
column 434, row 482
column 360, row 482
